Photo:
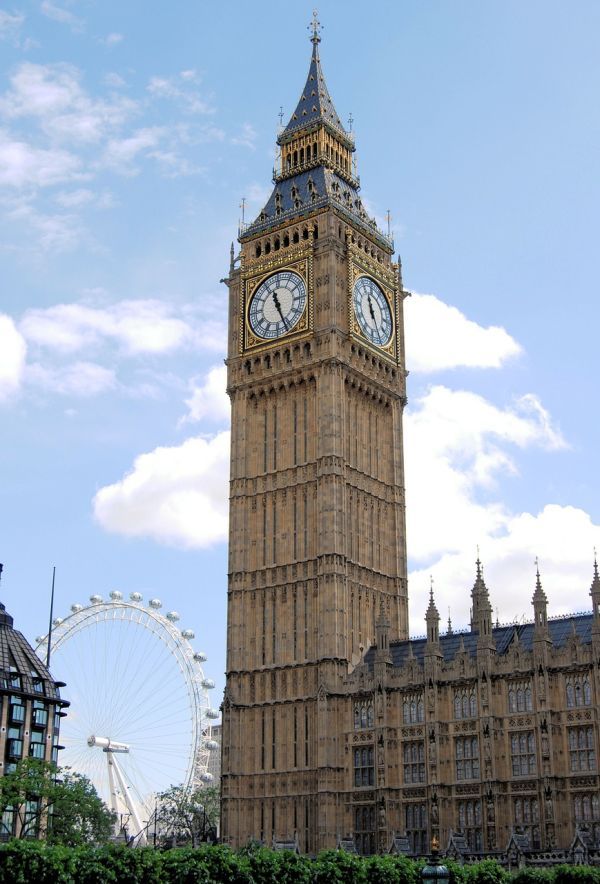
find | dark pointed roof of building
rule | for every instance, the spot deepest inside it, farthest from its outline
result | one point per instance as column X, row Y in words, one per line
column 315, row 104
column 560, row 629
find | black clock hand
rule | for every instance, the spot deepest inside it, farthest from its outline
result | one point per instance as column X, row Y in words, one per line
column 372, row 312
column 278, row 308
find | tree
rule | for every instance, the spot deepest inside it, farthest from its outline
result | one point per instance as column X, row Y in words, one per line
column 40, row 800
column 188, row 817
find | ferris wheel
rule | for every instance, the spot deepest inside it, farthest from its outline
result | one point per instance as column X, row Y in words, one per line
column 140, row 716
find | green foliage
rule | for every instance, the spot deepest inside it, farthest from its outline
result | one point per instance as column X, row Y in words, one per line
column 56, row 804
column 488, row 871
column 576, row 875
column 187, row 818
column 34, row 862
column 533, row 876
column 334, row 866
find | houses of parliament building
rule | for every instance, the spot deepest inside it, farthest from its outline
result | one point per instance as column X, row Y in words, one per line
column 337, row 728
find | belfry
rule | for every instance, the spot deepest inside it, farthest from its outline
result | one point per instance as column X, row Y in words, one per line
column 337, row 728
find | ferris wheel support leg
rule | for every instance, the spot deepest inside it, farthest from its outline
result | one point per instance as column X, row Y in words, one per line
column 138, row 826
column 114, row 801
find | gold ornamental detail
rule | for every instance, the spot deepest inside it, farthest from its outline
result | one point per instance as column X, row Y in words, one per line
column 299, row 261
column 359, row 265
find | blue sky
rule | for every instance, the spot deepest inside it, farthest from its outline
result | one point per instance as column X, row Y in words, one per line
column 129, row 132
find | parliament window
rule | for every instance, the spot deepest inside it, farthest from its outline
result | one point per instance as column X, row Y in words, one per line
column 413, row 755
column 519, row 696
column 415, row 818
column 469, row 823
column 579, row 692
column 364, row 829
column 586, row 810
column 413, row 709
column 364, row 769
column 465, row 703
column 363, row 715
column 527, row 818
column 582, row 750
column 522, row 752
column 467, row 758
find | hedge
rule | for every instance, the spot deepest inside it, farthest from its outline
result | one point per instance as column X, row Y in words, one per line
column 25, row 862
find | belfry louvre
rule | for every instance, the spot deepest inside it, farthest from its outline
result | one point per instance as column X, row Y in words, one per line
column 336, row 726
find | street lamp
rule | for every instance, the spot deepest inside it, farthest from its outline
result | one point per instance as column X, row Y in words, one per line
column 434, row 871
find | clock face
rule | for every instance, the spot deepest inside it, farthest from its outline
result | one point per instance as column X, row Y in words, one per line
column 372, row 311
column 277, row 304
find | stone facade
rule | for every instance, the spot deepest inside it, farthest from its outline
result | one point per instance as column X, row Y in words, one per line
column 336, row 727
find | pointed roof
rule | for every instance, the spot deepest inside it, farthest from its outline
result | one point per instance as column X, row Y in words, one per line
column 595, row 587
column 315, row 104
column 432, row 612
column 539, row 595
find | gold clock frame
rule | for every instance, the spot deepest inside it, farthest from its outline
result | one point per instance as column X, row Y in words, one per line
column 299, row 261
column 386, row 279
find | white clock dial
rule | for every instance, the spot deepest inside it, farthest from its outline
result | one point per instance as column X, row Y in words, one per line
column 277, row 304
column 372, row 311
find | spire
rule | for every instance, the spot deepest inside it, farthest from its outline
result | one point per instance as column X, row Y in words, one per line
column 540, row 607
column 382, row 635
column 315, row 104
column 450, row 630
column 5, row 619
column 595, row 594
column 432, row 618
column 539, row 595
column 481, row 612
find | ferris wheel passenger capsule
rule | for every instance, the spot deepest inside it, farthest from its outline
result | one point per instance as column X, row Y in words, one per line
column 57, row 621
column 40, row 638
column 96, row 599
column 136, row 596
column 155, row 603
column 173, row 616
column 206, row 777
column 207, row 683
column 115, row 595
column 188, row 633
column 212, row 745
column 76, row 608
column 200, row 657
column 212, row 713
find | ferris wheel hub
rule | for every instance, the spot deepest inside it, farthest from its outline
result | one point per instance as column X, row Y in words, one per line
column 107, row 744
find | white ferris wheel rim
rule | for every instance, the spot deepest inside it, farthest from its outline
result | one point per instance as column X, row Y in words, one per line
column 176, row 641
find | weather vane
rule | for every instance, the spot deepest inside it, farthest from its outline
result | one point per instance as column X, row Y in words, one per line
column 280, row 115
column 350, row 121
column 316, row 27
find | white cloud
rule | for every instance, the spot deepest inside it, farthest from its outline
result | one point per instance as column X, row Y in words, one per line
column 53, row 95
column 78, row 379
column 563, row 537
column 247, row 137
column 12, row 357
column 60, row 14
column 112, row 39
column 10, row 25
column 174, row 495
column 209, row 399
column 439, row 337
column 22, row 165
column 457, row 447
column 178, row 89
column 55, row 232
column 142, row 326
column 120, row 152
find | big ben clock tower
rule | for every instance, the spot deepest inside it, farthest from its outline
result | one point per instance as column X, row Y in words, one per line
column 317, row 527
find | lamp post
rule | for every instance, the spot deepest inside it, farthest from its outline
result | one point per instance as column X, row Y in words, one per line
column 434, row 871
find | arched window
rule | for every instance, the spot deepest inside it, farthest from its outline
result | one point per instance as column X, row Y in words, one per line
column 258, row 251
column 301, row 155
column 296, row 237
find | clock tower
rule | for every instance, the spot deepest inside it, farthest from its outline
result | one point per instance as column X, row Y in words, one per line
column 317, row 549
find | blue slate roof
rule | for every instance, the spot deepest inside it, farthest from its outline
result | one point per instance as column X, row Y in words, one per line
column 315, row 104
column 311, row 190
column 560, row 629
